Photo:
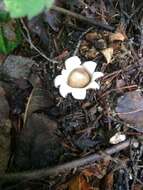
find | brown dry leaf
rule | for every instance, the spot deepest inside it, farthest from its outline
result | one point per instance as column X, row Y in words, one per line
column 130, row 108
column 107, row 182
column 93, row 171
column 99, row 170
column 79, row 183
column 107, row 53
column 89, row 172
column 138, row 187
column 116, row 37
column 121, row 29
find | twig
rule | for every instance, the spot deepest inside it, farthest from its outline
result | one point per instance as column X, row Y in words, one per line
column 28, row 38
column 85, row 19
column 30, row 175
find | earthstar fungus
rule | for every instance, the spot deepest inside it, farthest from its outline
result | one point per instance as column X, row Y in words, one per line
column 77, row 78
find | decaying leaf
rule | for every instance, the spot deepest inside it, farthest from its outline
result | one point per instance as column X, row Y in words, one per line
column 107, row 53
column 5, row 128
column 4, row 108
column 17, row 67
column 99, row 170
column 5, row 133
column 79, row 183
column 107, row 182
column 36, row 26
column 116, row 37
column 130, row 108
column 38, row 100
column 38, row 145
column 138, row 187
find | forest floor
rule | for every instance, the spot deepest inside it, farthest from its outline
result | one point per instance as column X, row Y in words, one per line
column 51, row 142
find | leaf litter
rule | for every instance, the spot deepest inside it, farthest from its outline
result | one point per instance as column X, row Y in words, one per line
column 51, row 141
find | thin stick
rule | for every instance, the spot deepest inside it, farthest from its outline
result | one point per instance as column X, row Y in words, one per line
column 30, row 175
column 28, row 38
column 85, row 19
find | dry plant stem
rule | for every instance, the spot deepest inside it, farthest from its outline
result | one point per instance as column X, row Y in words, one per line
column 57, row 170
column 28, row 38
column 85, row 19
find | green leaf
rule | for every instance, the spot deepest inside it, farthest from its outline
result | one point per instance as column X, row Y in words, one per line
column 2, row 42
column 21, row 8
column 10, row 36
column 49, row 3
column 4, row 16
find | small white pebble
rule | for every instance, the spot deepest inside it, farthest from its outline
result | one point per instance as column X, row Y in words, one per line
column 130, row 176
column 117, row 138
column 135, row 144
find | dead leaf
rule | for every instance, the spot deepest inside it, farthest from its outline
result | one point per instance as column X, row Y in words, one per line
column 130, row 108
column 116, row 37
column 4, row 108
column 5, row 137
column 99, row 170
column 107, row 53
column 36, row 26
column 79, row 183
column 17, row 67
column 53, row 18
column 38, row 146
column 107, row 182
column 39, row 99
column 83, row 184
column 138, row 187
column 121, row 29
column 5, row 129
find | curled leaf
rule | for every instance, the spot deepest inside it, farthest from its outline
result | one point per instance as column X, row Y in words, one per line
column 116, row 37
